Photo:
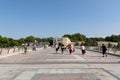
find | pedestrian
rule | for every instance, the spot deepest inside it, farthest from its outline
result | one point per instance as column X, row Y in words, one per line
column 57, row 48
column 73, row 49
column 62, row 48
column 25, row 49
column 83, row 49
column 34, row 47
column 70, row 48
column 104, row 49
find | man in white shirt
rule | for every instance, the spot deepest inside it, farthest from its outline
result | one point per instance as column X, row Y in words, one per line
column 83, row 50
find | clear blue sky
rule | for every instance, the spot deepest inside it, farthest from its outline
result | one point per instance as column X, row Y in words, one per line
column 46, row 18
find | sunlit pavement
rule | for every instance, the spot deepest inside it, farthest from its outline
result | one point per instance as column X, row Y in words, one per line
column 46, row 64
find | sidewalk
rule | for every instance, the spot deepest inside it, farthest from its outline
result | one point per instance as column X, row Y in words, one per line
column 46, row 64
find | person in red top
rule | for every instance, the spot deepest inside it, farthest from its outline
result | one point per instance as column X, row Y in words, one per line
column 70, row 48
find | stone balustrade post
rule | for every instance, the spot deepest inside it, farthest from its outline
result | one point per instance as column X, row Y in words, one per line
column 0, row 51
column 8, row 50
column 14, row 50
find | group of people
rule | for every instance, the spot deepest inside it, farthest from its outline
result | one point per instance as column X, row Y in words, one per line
column 103, row 49
column 70, row 48
column 83, row 50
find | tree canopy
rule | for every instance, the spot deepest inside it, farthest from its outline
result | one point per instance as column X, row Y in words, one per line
column 10, row 42
column 75, row 37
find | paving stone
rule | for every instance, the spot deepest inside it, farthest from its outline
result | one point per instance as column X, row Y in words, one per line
column 45, row 64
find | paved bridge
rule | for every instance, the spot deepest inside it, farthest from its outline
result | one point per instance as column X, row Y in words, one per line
column 46, row 64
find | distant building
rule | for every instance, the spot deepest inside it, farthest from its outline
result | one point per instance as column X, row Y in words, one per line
column 78, row 43
column 81, row 42
column 64, row 40
column 56, row 41
column 99, row 43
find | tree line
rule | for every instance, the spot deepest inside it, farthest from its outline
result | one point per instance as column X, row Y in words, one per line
column 91, row 41
column 10, row 42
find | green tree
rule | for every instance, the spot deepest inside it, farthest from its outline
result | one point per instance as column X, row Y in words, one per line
column 39, row 39
column 75, row 37
column 13, row 42
column 4, row 42
column 113, row 38
column 21, row 41
column 30, row 39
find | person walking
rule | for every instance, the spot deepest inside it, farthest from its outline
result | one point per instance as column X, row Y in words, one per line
column 83, row 49
column 70, row 48
column 104, row 49
column 62, row 48
column 57, row 48
column 25, row 49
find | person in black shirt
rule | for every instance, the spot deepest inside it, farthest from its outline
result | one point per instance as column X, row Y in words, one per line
column 104, row 49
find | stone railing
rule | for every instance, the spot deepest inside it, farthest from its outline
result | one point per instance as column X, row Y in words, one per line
column 15, row 50
column 98, row 49
column 5, row 51
column 109, row 50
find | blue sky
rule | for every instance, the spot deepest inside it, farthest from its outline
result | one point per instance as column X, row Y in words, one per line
column 46, row 18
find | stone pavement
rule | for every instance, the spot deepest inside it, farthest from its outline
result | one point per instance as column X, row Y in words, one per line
column 45, row 64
